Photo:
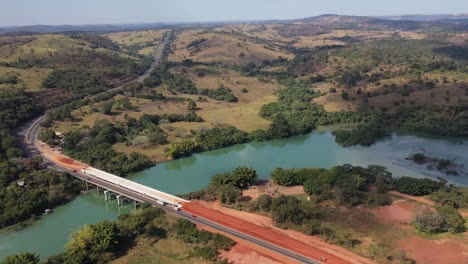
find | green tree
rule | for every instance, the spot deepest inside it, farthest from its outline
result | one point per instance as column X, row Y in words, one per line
column 181, row 149
column 414, row 186
column 91, row 241
column 455, row 222
column 47, row 135
column 192, row 105
column 263, row 202
column 106, row 108
column 228, row 193
column 430, row 222
column 22, row 258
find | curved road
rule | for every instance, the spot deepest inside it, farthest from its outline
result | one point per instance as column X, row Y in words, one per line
column 29, row 133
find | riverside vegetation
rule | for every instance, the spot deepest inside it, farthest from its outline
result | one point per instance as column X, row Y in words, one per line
column 108, row 240
column 327, row 192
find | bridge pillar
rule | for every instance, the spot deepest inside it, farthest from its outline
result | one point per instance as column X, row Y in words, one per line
column 107, row 195
column 97, row 188
column 86, row 185
column 120, row 200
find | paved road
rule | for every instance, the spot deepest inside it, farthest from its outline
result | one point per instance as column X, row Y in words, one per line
column 29, row 133
column 157, row 56
column 197, row 220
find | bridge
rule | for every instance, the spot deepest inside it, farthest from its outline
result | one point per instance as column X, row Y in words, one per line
column 114, row 181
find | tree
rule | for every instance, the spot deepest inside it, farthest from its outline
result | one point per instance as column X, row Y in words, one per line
column 314, row 186
column 88, row 243
column 106, row 108
column 345, row 96
column 192, row 105
column 22, row 258
column 455, row 222
column 430, row 222
column 181, row 149
column 285, row 177
column 228, row 193
column 47, row 136
column 263, row 202
column 243, row 177
column 414, row 186
column 279, row 128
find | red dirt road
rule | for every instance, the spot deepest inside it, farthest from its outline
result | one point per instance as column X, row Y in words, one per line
column 261, row 233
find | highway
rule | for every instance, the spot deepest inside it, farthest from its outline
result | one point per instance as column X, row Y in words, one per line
column 30, row 131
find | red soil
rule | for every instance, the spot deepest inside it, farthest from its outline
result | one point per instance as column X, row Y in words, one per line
column 433, row 251
column 240, row 254
column 400, row 211
column 261, row 233
column 246, row 252
column 65, row 160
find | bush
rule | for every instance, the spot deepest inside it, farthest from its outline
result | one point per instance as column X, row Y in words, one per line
column 455, row 222
column 22, row 258
column 241, row 177
column 220, row 137
column 452, row 196
column 419, row 158
column 446, row 218
column 182, row 149
column 228, row 193
column 263, row 202
column 364, row 134
column 220, row 94
column 416, row 187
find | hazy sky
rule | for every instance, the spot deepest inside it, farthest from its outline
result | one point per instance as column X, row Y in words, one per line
column 58, row 12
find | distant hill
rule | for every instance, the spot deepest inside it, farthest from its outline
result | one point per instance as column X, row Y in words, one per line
column 332, row 21
column 428, row 18
column 77, row 28
column 435, row 23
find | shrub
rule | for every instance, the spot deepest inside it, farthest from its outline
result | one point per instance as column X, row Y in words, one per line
column 416, row 187
column 263, row 202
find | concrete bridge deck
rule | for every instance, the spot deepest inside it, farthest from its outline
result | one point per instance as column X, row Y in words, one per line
column 159, row 196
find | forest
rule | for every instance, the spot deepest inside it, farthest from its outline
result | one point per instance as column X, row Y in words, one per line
column 26, row 189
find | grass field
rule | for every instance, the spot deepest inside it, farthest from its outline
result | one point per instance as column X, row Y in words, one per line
column 129, row 38
column 164, row 251
column 29, row 79
column 223, row 48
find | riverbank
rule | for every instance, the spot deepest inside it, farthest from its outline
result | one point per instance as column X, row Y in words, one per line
column 386, row 228
column 48, row 235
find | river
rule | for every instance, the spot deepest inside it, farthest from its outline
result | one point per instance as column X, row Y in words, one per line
column 48, row 235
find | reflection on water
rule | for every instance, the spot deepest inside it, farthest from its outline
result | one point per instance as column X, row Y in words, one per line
column 48, row 235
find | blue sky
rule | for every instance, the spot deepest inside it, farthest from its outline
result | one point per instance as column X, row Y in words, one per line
column 58, row 12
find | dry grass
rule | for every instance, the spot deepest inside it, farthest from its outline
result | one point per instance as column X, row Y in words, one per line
column 244, row 117
column 129, row 38
column 40, row 46
column 442, row 94
column 29, row 79
column 234, row 81
column 223, row 48
column 164, row 251
column 146, row 51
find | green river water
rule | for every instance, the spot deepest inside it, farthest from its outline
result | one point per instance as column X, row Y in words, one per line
column 48, row 235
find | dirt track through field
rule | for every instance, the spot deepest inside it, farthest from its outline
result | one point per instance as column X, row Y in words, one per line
column 262, row 233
